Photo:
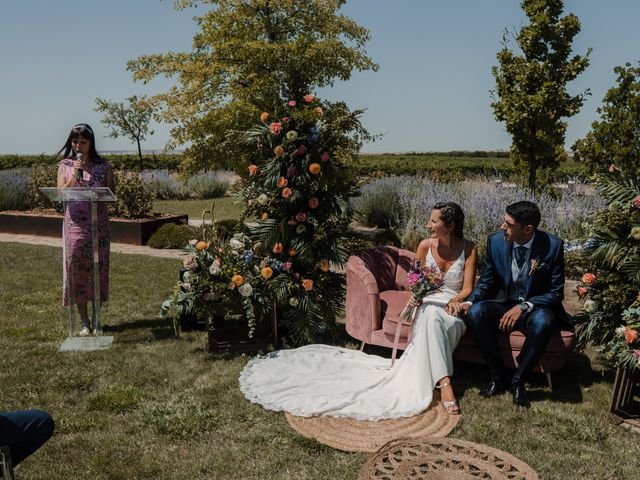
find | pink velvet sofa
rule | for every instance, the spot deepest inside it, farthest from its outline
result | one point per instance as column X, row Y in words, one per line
column 377, row 291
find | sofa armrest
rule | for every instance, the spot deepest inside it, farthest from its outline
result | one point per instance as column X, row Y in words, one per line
column 362, row 309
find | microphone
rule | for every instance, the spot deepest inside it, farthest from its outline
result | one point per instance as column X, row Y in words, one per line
column 80, row 173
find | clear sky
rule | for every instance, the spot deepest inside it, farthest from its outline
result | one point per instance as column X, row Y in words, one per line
column 430, row 94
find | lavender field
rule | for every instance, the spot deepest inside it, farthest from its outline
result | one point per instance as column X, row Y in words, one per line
column 404, row 204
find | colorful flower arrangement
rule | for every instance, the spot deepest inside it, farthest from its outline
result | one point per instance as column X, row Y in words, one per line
column 610, row 285
column 422, row 279
column 299, row 191
column 222, row 275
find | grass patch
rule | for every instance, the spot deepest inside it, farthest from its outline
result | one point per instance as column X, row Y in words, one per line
column 157, row 407
column 225, row 207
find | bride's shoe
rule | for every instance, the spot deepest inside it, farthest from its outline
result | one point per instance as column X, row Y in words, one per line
column 452, row 407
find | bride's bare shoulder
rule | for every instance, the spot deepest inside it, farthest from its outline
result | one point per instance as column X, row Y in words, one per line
column 423, row 247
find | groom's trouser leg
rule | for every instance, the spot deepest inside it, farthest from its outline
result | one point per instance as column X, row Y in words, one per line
column 537, row 328
column 483, row 319
column 24, row 432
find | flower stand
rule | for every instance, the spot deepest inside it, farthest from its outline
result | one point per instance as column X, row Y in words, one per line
column 625, row 403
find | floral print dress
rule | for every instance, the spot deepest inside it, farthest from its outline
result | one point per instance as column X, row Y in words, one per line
column 78, row 244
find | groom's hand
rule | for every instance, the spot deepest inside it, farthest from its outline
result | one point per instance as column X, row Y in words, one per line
column 510, row 318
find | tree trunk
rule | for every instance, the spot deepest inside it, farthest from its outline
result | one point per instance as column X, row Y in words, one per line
column 533, row 166
column 139, row 154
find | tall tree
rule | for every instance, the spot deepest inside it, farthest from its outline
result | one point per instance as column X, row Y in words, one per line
column 249, row 56
column 615, row 139
column 129, row 120
column 531, row 95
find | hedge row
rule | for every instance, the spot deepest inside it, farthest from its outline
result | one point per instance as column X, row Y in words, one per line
column 443, row 166
column 155, row 161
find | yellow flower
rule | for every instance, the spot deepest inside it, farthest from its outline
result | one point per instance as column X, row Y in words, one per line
column 264, row 116
column 266, row 273
column 315, row 168
column 237, row 280
column 201, row 245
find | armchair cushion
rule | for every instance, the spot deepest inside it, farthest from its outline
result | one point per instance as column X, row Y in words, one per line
column 392, row 302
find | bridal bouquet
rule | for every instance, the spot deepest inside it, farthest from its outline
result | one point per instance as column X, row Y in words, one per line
column 422, row 280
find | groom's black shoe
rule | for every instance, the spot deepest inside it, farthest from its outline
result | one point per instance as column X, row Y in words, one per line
column 495, row 387
column 520, row 398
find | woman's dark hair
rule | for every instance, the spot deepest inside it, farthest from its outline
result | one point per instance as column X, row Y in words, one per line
column 525, row 213
column 81, row 130
column 452, row 214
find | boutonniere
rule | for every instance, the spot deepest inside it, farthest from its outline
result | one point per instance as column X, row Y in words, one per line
column 536, row 264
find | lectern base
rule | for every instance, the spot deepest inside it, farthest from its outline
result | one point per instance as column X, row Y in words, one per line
column 85, row 344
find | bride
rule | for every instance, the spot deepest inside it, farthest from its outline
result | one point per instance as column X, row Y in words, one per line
column 340, row 382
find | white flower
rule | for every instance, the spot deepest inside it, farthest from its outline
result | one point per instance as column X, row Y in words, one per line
column 263, row 199
column 293, row 302
column 236, row 244
column 193, row 242
column 190, row 261
column 620, row 330
column 185, row 277
column 245, row 289
column 186, row 286
column 589, row 306
column 292, row 135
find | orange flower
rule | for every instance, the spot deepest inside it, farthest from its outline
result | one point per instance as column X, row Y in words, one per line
column 309, row 98
column 201, row 245
column 279, row 151
column 313, row 202
column 582, row 291
column 277, row 248
column 264, row 116
column 253, row 169
column 237, row 280
column 324, row 265
column 282, row 182
column 588, row 278
column 286, row 192
column 264, row 216
column 266, row 273
column 318, row 111
column 275, row 128
column 292, row 252
column 630, row 335
column 307, row 284
column 315, row 168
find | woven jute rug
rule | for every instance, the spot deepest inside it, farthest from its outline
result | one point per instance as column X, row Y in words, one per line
column 368, row 436
column 432, row 458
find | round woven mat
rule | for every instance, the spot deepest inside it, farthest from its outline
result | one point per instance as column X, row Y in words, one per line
column 368, row 436
column 432, row 458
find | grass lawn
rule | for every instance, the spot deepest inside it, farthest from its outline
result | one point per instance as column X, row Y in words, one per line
column 157, row 407
column 225, row 207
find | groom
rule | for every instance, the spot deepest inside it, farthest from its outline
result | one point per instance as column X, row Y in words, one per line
column 522, row 287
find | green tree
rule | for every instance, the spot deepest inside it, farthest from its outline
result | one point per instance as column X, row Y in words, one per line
column 249, row 56
column 531, row 96
column 615, row 139
column 129, row 120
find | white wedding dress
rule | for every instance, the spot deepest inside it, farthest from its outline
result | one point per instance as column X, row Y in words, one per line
column 339, row 382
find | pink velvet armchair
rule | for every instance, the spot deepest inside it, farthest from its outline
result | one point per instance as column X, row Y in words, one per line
column 377, row 291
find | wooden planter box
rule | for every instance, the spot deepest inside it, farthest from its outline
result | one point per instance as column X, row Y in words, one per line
column 235, row 337
column 123, row 230
column 625, row 403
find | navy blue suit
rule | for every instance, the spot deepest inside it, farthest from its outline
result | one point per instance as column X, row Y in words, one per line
column 544, row 289
column 24, row 432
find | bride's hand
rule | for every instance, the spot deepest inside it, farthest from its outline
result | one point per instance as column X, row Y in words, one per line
column 414, row 302
column 453, row 308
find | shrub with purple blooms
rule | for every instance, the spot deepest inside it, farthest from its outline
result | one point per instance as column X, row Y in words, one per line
column 483, row 201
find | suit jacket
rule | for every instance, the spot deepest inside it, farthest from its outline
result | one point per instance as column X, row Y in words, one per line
column 544, row 286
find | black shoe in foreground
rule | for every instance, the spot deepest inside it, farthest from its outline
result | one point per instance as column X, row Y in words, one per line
column 520, row 398
column 495, row 387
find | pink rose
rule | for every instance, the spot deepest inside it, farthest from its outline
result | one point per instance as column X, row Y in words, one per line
column 636, row 202
column 286, row 266
column 636, row 354
column 612, row 168
column 325, row 156
column 275, row 128
column 292, row 103
column 193, row 242
column 286, row 120
column 301, row 217
column 309, row 98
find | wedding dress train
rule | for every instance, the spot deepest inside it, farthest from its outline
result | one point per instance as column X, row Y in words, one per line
column 339, row 382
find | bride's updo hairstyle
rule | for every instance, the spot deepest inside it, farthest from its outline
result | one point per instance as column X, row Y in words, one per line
column 452, row 214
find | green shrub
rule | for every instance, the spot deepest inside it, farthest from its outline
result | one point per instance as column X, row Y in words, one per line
column 135, row 198
column 172, row 235
column 377, row 206
column 13, row 189
column 42, row 176
column 170, row 161
column 210, row 184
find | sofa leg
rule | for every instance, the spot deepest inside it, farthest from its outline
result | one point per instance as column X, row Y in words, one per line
column 362, row 346
column 548, row 374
